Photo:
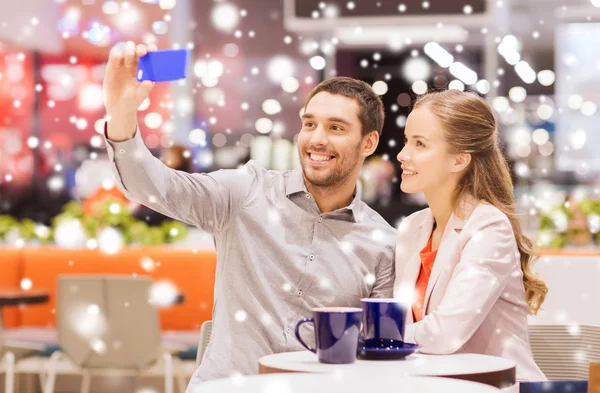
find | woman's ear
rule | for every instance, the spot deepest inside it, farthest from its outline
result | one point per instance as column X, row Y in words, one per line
column 461, row 162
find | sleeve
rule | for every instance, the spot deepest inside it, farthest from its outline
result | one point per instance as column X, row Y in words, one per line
column 208, row 200
column 476, row 284
column 385, row 273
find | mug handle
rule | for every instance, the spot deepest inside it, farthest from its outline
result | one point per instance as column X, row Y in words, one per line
column 297, row 331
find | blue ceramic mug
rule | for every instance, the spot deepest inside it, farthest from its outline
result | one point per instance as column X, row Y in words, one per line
column 336, row 333
column 383, row 321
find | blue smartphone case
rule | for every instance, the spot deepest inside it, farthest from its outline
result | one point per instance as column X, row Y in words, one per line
column 163, row 65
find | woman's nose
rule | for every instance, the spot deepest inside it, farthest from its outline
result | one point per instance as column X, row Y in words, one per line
column 402, row 156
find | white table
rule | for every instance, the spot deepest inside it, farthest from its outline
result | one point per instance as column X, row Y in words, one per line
column 345, row 382
column 490, row 370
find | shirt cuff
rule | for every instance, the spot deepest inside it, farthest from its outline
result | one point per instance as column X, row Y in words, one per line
column 123, row 148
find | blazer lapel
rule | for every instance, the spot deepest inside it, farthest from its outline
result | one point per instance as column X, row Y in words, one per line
column 412, row 267
column 444, row 258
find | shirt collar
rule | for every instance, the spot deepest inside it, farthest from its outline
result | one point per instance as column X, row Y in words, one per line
column 295, row 184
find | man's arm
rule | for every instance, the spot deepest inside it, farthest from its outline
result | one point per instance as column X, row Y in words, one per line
column 385, row 273
column 208, row 201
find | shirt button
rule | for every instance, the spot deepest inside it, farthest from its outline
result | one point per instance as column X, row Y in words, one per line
column 299, row 293
column 311, row 257
column 288, row 329
column 122, row 151
column 307, row 196
column 320, row 219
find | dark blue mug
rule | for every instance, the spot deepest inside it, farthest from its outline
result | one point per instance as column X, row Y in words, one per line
column 383, row 320
column 336, row 334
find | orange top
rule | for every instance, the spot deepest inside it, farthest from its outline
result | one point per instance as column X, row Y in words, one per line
column 427, row 259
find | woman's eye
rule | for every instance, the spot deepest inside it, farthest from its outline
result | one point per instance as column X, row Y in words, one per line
column 420, row 144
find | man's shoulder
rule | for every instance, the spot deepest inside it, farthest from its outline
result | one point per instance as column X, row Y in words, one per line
column 262, row 175
column 256, row 169
column 370, row 217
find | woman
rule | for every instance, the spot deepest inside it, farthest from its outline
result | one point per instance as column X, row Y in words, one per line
column 464, row 264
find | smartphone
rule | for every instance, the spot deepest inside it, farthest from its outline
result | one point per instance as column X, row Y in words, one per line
column 163, row 65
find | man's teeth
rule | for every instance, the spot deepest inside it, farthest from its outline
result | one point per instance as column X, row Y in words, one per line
column 408, row 173
column 317, row 157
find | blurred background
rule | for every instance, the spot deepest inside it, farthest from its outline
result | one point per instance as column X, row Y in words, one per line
column 252, row 64
column 251, row 67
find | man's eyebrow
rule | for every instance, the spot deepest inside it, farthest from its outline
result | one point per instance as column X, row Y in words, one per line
column 331, row 119
column 339, row 120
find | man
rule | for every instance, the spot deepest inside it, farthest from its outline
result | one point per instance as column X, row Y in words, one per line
column 286, row 241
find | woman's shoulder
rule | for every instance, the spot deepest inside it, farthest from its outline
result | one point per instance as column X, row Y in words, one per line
column 488, row 213
column 487, row 218
column 490, row 227
column 413, row 222
column 417, row 217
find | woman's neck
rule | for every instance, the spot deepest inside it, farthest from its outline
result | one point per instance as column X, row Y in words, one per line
column 441, row 205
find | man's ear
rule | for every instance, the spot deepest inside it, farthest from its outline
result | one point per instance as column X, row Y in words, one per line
column 370, row 142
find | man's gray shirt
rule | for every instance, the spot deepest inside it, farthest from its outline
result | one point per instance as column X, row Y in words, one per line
column 278, row 257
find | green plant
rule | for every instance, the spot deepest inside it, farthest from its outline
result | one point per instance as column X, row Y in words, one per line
column 174, row 231
column 553, row 236
column 7, row 224
column 590, row 206
column 27, row 229
column 110, row 213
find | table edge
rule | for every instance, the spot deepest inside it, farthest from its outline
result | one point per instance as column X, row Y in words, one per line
column 499, row 379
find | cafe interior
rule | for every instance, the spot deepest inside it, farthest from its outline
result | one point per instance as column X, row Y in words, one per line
column 99, row 293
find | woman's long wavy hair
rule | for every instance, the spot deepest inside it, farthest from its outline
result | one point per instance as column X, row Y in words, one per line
column 469, row 126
